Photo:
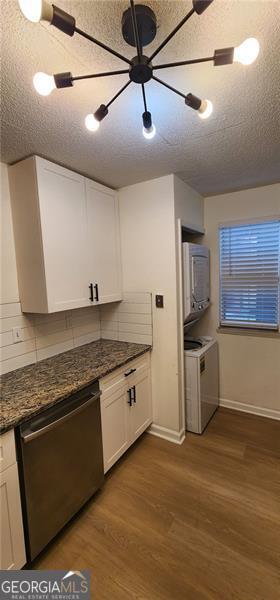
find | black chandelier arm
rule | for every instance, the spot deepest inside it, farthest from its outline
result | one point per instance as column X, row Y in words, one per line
column 118, row 94
column 93, row 75
column 171, row 35
column 98, row 43
column 135, row 29
column 169, row 87
column 144, row 97
column 184, row 62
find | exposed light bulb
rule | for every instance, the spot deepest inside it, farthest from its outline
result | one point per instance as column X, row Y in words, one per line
column 247, row 52
column 36, row 10
column 91, row 123
column 206, row 109
column 44, row 84
column 149, row 132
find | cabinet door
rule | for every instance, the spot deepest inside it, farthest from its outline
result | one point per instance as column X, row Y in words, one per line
column 103, row 241
column 63, row 224
column 141, row 411
column 12, row 539
column 115, row 428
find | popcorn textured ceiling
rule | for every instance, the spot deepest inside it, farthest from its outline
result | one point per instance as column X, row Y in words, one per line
column 238, row 146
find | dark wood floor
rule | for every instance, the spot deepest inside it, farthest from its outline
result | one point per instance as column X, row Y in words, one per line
column 191, row 522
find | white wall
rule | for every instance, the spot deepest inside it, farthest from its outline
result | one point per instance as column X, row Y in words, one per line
column 189, row 212
column 148, row 215
column 249, row 365
column 189, row 206
column 148, row 259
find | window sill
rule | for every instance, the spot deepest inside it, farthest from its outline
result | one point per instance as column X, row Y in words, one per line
column 266, row 333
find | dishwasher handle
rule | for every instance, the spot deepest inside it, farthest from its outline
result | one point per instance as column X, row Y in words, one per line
column 32, row 436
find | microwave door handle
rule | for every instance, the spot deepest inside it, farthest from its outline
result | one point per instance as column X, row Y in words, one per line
column 32, row 436
column 193, row 278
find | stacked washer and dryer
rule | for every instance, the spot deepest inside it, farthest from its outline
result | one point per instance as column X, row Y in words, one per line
column 200, row 354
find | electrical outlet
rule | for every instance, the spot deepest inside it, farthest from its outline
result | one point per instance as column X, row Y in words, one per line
column 17, row 334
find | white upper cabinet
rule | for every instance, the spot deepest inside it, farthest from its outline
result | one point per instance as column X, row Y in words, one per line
column 62, row 209
column 67, row 240
column 104, row 242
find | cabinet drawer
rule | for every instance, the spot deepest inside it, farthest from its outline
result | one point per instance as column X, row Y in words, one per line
column 7, row 450
column 122, row 377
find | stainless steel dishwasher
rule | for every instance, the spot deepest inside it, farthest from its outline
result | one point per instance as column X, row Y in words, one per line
column 61, row 465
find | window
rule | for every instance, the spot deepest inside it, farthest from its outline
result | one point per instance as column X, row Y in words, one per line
column 249, row 275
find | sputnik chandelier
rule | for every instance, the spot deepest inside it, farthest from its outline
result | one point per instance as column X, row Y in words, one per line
column 139, row 28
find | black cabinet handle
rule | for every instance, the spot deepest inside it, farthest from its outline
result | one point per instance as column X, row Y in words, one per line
column 133, row 394
column 96, row 292
column 129, row 397
column 91, row 292
column 129, row 372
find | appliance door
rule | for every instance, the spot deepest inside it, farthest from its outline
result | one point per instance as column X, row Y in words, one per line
column 196, row 286
column 200, row 281
column 62, row 460
column 209, row 385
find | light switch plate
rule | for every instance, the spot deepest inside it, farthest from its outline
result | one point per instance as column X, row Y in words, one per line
column 159, row 301
column 17, row 334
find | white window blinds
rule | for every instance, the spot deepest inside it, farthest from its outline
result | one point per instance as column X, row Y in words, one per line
column 249, row 275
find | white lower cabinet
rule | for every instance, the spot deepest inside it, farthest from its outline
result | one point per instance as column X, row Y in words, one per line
column 115, row 427
column 12, row 537
column 140, row 413
column 126, row 408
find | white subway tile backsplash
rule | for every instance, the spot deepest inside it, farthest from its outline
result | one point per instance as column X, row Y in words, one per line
column 135, row 308
column 10, row 310
column 135, row 328
column 109, row 312
column 50, row 334
column 109, row 326
column 6, row 338
column 137, row 297
column 49, row 318
column 44, row 329
column 86, row 328
column 86, row 338
column 17, row 349
column 130, row 320
column 28, row 333
column 19, row 361
column 8, row 323
column 135, row 318
column 82, row 313
column 54, row 338
column 44, row 335
column 135, row 338
column 54, row 349
column 110, row 335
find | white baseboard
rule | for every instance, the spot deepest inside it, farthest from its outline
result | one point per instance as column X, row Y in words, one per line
column 167, row 434
column 261, row 411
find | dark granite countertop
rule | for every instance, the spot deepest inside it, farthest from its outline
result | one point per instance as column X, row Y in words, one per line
column 30, row 390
